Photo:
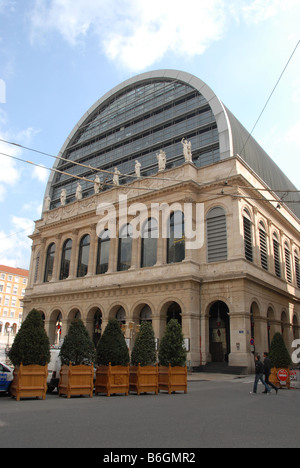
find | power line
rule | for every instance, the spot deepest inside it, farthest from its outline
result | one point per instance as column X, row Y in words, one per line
column 86, row 166
column 264, row 108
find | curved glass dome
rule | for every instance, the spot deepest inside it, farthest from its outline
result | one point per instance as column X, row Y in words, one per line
column 135, row 124
column 152, row 112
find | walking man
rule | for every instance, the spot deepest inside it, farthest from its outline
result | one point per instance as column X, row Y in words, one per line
column 259, row 376
column 268, row 367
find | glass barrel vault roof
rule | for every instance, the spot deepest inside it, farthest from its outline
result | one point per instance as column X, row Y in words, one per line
column 135, row 125
column 153, row 112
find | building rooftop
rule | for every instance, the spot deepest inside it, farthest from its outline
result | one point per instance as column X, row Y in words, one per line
column 14, row 271
column 153, row 112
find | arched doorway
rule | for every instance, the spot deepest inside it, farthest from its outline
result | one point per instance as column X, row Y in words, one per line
column 55, row 327
column 219, row 332
column 97, row 326
column 174, row 312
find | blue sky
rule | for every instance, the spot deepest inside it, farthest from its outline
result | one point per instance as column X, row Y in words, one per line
column 58, row 57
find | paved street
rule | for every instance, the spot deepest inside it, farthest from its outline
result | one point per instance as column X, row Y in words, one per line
column 215, row 413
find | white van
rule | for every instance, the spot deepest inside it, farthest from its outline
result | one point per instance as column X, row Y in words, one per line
column 54, row 369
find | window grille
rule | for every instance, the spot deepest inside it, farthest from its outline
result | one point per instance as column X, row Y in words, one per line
column 288, row 266
column 216, row 236
column 276, row 252
column 248, row 237
column 263, row 247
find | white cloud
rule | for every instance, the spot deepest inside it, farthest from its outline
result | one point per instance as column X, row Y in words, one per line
column 40, row 173
column 138, row 33
column 11, row 169
column 9, row 174
column 292, row 135
column 15, row 246
column 262, row 10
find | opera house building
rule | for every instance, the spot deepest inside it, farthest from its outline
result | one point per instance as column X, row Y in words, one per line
column 161, row 205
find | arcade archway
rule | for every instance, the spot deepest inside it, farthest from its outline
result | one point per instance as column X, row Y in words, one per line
column 219, row 332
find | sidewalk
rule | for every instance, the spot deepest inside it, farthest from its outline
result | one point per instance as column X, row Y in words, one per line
column 207, row 377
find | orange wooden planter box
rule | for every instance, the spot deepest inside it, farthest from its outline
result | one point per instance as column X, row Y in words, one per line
column 76, row 380
column 112, row 379
column 30, row 382
column 172, row 379
column 274, row 378
column 143, row 379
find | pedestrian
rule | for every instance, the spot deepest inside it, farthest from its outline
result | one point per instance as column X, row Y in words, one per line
column 259, row 376
column 267, row 368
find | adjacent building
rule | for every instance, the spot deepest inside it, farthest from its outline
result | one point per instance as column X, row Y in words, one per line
column 161, row 205
column 13, row 282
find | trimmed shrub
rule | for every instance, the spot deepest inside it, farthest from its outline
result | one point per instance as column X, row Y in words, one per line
column 31, row 345
column 143, row 352
column 171, row 350
column 77, row 347
column 112, row 347
column 279, row 355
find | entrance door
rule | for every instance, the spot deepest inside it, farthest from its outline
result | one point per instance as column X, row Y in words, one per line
column 219, row 332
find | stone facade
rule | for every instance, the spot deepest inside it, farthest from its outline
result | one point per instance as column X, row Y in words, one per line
column 221, row 304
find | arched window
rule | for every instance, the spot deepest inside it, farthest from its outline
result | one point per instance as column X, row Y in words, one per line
column 176, row 238
column 103, row 253
column 65, row 260
column 248, row 236
column 297, row 269
column 125, row 248
column 49, row 263
column 216, row 228
column 149, row 243
column 288, row 266
column 146, row 314
column 83, row 258
column 276, row 252
column 263, row 246
column 121, row 316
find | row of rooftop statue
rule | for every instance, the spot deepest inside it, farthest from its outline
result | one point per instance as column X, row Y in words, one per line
column 98, row 187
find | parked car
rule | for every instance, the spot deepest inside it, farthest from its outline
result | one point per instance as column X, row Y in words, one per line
column 6, row 378
column 54, row 369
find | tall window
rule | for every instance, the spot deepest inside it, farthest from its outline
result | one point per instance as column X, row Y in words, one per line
column 65, row 260
column 49, row 263
column 297, row 269
column 276, row 252
column 263, row 246
column 83, row 258
column 288, row 266
column 36, row 270
column 149, row 243
column 103, row 253
column 248, row 236
column 125, row 248
column 216, row 235
column 176, row 238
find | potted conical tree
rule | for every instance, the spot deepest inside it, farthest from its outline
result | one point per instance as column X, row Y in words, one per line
column 281, row 361
column 77, row 356
column 172, row 360
column 143, row 371
column 30, row 355
column 112, row 358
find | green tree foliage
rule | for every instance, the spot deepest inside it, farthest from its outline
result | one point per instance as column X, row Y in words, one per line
column 112, row 346
column 143, row 352
column 279, row 355
column 31, row 345
column 77, row 347
column 171, row 350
